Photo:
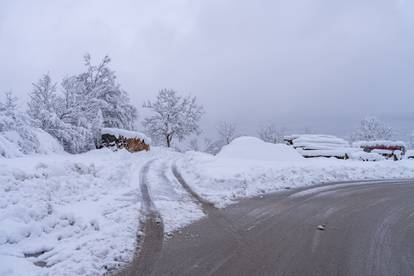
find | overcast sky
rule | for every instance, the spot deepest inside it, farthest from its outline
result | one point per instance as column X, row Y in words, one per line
column 321, row 64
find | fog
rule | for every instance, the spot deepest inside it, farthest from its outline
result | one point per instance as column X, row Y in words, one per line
column 301, row 64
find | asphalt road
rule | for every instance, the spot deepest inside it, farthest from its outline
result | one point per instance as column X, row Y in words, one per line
column 367, row 229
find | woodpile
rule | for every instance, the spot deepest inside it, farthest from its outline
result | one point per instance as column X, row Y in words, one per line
column 131, row 141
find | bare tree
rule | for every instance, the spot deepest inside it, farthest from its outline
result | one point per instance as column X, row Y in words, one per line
column 227, row 132
column 371, row 129
column 174, row 116
column 271, row 134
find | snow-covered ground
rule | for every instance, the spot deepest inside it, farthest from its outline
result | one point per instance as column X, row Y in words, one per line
column 226, row 178
column 63, row 214
column 79, row 214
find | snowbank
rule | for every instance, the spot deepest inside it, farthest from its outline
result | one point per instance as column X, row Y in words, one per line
column 256, row 149
column 126, row 133
column 224, row 181
column 68, row 214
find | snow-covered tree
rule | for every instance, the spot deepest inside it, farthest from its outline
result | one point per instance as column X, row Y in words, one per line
column 50, row 112
column 271, row 134
column 89, row 101
column 15, row 127
column 371, row 129
column 43, row 101
column 175, row 116
column 227, row 132
column 97, row 89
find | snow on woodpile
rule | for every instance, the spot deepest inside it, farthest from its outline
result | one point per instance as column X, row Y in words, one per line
column 124, row 139
column 366, row 156
column 319, row 142
column 312, row 145
column 117, row 132
column 379, row 144
column 256, row 149
column 389, row 149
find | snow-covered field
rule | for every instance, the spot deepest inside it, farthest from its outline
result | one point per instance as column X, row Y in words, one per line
column 230, row 176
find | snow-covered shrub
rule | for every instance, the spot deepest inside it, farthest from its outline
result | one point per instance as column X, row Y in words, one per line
column 17, row 134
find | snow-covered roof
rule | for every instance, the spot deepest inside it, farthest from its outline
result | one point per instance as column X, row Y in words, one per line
column 378, row 143
column 125, row 133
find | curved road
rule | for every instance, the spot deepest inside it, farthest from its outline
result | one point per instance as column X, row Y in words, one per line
column 364, row 228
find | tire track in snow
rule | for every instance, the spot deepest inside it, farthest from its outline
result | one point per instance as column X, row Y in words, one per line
column 150, row 248
column 216, row 216
column 206, row 205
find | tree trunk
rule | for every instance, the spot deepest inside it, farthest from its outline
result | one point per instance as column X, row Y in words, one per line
column 168, row 141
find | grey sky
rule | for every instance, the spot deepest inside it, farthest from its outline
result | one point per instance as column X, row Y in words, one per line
column 303, row 63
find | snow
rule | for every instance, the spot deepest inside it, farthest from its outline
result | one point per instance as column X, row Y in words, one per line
column 224, row 181
column 126, row 133
column 409, row 154
column 342, row 153
column 12, row 144
column 47, row 143
column 176, row 206
column 312, row 145
column 63, row 214
column 366, row 156
column 319, row 142
column 256, row 149
column 80, row 214
column 377, row 143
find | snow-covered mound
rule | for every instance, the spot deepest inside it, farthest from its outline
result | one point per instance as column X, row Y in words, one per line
column 36, row 141
column 47, row 143
column 254, row 148
column 126, row 133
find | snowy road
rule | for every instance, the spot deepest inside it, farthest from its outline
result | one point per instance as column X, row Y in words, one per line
column 364, row 228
